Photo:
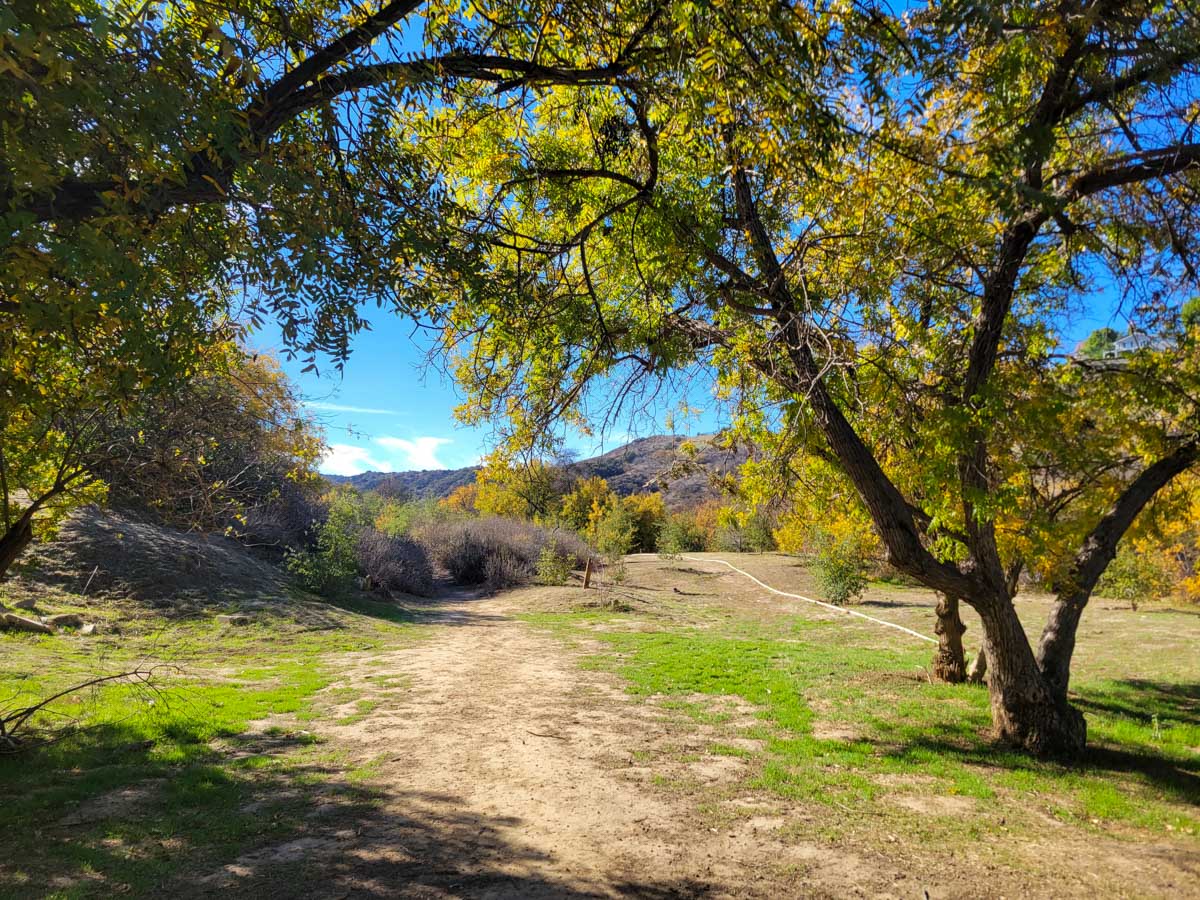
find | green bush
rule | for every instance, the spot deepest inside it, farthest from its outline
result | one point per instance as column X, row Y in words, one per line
column 398, row 519
column 760, row 536
column 681, row 534
column 755, row 536
column 348, row 546
column 839, row 567
column 1135, row 577
column 553, row 565
column 616, row 532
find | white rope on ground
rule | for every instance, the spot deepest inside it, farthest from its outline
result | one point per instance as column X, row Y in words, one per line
column 838, row 609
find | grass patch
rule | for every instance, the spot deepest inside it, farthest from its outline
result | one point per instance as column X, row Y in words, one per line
column 157, row 780
column 896, row 734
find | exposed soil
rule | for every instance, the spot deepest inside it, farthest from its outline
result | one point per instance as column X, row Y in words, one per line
column 501, row 769
column 506, row 771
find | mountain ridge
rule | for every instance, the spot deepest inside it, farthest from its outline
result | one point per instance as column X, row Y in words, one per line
column 648, row 464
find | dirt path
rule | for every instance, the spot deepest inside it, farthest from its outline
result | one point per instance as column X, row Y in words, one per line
column 504, row 770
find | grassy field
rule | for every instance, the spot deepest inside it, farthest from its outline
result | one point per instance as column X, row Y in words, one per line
column 739, row 712
column 189, row 766
column 844, row 718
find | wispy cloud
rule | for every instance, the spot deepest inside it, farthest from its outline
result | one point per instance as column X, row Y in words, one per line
column 339, row 407
column 346, row 459
column 417, row 453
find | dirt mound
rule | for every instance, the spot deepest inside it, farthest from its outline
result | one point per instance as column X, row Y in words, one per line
column 118, row 555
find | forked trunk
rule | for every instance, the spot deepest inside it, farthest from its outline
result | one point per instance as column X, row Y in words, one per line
column 1058, row 640
column 1027, row 711
column 13, row 543
column 949, row 662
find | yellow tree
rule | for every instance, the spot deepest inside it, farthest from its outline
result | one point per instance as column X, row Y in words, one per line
column 874, row 231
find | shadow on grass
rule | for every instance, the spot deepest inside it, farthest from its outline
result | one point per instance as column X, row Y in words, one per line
column 893, row 604
column 964, row 741
column 1143, row 700
column 263, row 816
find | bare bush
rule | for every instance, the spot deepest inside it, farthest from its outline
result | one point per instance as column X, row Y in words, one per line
column 394, row 563
column 287, row 521
column 497, row 552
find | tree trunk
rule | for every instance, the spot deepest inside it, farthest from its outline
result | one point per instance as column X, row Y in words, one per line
column 1058, row 640
column 13, row 543
column 978, row 668
column 949, row 662
column 1027, row 711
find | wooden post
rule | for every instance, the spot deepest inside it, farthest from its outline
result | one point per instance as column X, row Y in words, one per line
column 587, row 574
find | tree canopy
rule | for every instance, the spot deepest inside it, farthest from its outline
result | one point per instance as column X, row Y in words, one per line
column 870, row 228
column 873, row 229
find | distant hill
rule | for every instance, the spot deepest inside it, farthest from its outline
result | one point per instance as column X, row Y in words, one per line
column 647, row 464
column 423, row 483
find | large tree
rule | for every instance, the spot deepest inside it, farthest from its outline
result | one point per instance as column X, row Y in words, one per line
column 175, row 172
column 876, row 230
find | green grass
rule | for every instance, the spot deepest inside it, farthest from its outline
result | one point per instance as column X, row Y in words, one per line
column 905, row 736
column 207, row 787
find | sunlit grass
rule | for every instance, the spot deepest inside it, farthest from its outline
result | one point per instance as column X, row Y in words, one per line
column 904, row 736
column 207, row 784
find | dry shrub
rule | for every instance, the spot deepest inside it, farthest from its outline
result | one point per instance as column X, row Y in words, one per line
column 394, row 563
column 495, row 551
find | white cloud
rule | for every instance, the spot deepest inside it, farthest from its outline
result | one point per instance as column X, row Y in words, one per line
column 338, row 407
column 346, row 459
column 418, row 453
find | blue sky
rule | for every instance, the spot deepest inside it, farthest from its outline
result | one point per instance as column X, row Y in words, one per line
column 389, row 410
column 386, row 411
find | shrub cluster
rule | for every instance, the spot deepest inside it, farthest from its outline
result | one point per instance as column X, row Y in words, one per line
column 498, row 552
column 840, row 566
column 393, row 564
column 681, row 534
column 348, row 548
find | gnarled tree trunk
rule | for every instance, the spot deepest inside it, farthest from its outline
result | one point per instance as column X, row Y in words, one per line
column 949, row 662
column 1027, row 710
column 1058, row 640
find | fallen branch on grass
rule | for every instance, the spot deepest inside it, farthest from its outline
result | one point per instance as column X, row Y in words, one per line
column 17, row 731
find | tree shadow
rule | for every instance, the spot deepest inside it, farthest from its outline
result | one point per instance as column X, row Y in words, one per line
column 1143, row 700
column 1179, row 779
column 262, row 818
column 413, row 844
column 895, row 604
column 964, row 739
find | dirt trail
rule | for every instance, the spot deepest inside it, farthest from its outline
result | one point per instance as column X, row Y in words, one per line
column 507, row 771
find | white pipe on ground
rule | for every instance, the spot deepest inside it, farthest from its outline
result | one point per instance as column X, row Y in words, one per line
column 839, row 609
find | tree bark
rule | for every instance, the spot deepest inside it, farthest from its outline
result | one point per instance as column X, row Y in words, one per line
column 978, row 668
column 1027, row 711
column 13, row 543
column 949, row 662
column 1057, row 645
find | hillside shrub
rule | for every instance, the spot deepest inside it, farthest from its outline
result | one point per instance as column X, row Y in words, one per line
column 649, row 513
column 393, row 564
column 396, row 518
column 615, row 533
column 1136, row 575
column 681, row 534
column 289, row 521
column 348, row 546
column 553, row 565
